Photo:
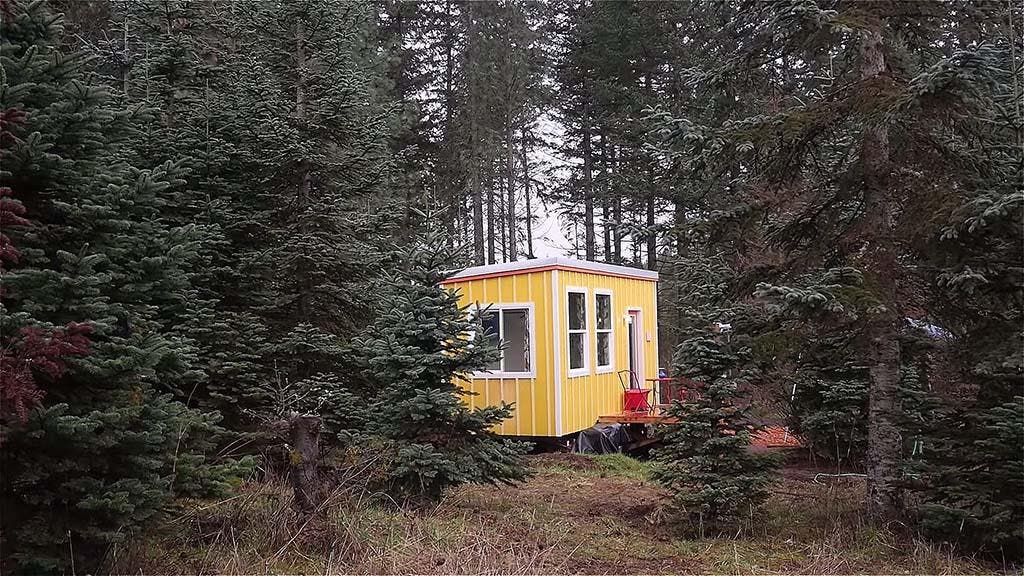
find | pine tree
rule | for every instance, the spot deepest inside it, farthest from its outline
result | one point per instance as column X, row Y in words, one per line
column 861, row 122
column 971, row 472
column 313, row 150
column 412, row 359
column 714, row 481
column 103, row 453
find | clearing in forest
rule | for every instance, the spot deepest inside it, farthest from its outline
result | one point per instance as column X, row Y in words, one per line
column 576, row 515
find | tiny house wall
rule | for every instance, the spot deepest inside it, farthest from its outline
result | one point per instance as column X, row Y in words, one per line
column 596, row 391
column 534, row 396
column 554, row 399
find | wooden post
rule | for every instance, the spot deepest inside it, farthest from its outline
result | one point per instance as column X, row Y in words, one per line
column 304, row 456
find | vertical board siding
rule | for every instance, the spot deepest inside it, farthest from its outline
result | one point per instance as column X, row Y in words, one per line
column 584, row 398
column 534, row 398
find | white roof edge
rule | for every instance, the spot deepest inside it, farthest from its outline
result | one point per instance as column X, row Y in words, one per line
column 558, row 261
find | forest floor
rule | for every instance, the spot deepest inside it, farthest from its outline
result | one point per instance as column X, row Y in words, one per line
column 576, row 515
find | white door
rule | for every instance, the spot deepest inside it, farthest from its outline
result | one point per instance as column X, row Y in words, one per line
column 634, row 329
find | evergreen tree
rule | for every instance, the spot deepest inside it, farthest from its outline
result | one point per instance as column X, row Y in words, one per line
column 972, row 472
column 612, row 62
column 276, row 111
column 103, row 452
column 861, row 127
column 472, row 87
column 313, row 152
column 168, row 62
column 412, row 359
column 714, row 480
column 706, row 463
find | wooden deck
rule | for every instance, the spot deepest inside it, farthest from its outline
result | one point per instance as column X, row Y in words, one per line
column 655, row 416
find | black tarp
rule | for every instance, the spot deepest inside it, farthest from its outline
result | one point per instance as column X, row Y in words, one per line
column 601, row 439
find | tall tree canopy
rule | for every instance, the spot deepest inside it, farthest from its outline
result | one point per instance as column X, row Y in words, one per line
column 872, row 136
column 104, row 449
column 216, row 214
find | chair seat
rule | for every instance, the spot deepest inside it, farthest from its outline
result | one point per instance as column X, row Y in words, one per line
column 635, row 400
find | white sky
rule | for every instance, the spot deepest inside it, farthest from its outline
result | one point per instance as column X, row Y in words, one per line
column 549, row 235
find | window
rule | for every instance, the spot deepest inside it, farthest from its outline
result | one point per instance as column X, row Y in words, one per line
column 603, row 330
column 508, row 327
column 515, row 333
column 577, row 308
column 490, row 322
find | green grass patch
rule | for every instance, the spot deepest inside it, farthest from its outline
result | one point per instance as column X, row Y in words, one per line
column 592, row 466
column 623, row 466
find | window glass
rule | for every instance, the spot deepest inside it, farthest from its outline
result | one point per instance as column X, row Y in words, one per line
column 604, row 311
column 508, row 329
column 489, row 321
column 604, row 356
column 577, row 311
column 577, row 359
column 516, row 337
column 577, row 307
column 603, row 329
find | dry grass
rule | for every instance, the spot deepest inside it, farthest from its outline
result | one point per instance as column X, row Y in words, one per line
column 576, row 515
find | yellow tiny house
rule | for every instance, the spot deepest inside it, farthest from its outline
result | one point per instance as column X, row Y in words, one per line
column 569, row 327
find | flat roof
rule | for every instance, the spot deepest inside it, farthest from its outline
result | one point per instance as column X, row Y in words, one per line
column 556, row 263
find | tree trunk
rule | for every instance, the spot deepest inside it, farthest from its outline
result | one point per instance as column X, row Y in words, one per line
column 883, row 455
column 127, row 63
column 526, row 192
column 489, row 182
column 500, row 218
column 475, row 143
column 510, row 182
column 679, row 224
column 616, row 206
column 605, row 210
column 606, row 229
column 448, row 166
column 884, row 446
column 588, row 182
column 617, row 230
column 478, row 209
column 511, row 101
column 652, row 237
column 682, row 250
column 304, row 437
column 306, row 177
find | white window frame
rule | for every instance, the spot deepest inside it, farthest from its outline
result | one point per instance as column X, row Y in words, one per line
column 610, row 367
column 531, row 322
column 585, row 369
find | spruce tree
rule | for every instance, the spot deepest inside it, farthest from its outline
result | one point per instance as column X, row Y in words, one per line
column 972, row 474
column 103, row 453
column 169, row 62
column 714, row 480
column 276, row 113
column 861, row 143
column 412, row 359
column 311, row 228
